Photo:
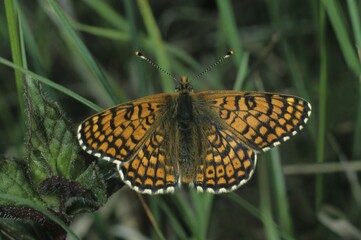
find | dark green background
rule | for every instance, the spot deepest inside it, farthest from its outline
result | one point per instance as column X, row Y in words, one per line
column 307, row 48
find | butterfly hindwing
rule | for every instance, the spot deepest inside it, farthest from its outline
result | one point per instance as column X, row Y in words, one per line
column 151, row 170
column 227, row 163
column 262, row 120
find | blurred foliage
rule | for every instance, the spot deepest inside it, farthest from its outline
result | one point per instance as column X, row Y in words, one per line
column 86, row 48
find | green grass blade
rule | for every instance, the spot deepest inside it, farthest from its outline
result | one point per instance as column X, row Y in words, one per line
column 52, row 84
column 84, row 52
column 186, row 212
column 354, row 10
column 107, row 13
column 334, row 12
column 135, row 40
column 176, row 225
column 230, row 29
column 265, row 201
column 279, row 188
column 242, row 73
column 157, row 43
column 322, row 107
column 356, row 150
column 34, row 54
column 16, row 53
column 202, row 205
column 255, row 212
column 102, row 32
column 152, row 215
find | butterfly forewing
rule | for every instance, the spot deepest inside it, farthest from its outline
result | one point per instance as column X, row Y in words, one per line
column 117, row 133
column 262, row 120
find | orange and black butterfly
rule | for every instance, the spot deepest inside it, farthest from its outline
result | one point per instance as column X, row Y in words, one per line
column 208, row 139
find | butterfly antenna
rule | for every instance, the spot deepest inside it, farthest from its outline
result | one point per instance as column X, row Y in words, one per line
column 139, row 54
column 230, row 53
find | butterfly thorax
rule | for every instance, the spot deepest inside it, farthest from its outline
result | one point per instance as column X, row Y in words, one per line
column 184, row 111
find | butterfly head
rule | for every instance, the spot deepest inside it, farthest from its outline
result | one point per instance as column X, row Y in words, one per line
column 184, row 85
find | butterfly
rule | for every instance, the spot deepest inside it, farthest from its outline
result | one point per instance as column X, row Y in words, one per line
column 207, row 139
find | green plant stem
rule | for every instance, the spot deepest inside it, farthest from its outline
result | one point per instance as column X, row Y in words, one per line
column 265, row 201
column 322, row 107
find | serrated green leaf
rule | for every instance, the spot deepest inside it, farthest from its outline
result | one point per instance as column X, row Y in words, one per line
column 52, row 142
column 90, row 179
column 56, row 168
column 14, row 182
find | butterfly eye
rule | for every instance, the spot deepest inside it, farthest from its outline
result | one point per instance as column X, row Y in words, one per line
column 189, row 88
